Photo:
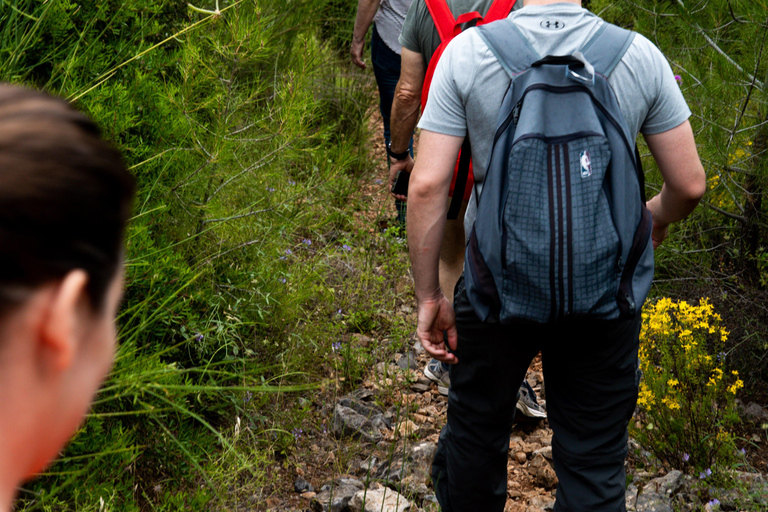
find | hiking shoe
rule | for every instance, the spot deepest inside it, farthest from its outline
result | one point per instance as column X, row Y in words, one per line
column 527, row 403
column 436, row 371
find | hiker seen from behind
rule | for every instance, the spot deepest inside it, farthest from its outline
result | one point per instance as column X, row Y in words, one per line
column 560, row 241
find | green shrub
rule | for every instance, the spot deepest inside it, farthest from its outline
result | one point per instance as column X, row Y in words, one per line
column 686, row 393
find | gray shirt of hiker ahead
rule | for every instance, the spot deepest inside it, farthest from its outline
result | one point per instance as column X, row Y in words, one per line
column 419, row 32
column 469, row 84
column 389, row 21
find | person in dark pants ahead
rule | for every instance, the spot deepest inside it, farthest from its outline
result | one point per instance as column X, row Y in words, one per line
column 420, row 40
column 387, row 17
column 590, row 365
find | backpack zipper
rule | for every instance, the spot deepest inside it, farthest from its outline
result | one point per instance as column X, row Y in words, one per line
column 626, row 297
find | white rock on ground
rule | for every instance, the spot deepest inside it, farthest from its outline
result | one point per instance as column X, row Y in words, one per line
column 379, row 500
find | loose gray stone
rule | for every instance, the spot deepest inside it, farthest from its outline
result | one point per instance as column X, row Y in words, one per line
column 420, row 388
column 542, row 472
column 408, row 470
column 379, row 500
column 349, row 423
column 656, row 495
column 363, row 467
column 360, row 402
column 755, row 412
column 408, row 362
column 538, row 503
column 670, row 483
column 335, row 496
column 301, row 485
column 546, row 452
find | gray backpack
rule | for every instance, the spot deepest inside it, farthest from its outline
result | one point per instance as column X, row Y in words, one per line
column 562, row 230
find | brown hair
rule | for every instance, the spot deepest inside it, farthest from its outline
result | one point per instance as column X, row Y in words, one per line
column 65, row 196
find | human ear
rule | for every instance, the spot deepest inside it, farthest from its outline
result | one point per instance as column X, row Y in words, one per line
column 61, row 329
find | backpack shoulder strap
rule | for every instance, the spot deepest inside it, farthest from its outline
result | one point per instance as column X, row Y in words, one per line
column 605, row 49
column 509, row 46
column 443, row 18
column 498, row 10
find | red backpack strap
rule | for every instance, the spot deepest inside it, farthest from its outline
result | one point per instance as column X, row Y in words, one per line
column 443, row 18
column 498, row 10
column 448, row 27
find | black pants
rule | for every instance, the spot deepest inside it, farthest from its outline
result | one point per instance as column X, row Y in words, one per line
column 590, row 368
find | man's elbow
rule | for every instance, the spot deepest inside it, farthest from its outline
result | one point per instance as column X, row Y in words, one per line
column 696, row 186
column 688, row 193
column 698, row 190
column 407, row 95
column 424, row 191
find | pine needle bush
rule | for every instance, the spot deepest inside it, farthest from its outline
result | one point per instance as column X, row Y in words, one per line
column 246, row 135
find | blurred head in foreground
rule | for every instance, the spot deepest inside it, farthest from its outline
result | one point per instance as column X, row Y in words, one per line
column 65, row 196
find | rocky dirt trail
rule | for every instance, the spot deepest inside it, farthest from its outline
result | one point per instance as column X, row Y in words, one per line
column 374, row 450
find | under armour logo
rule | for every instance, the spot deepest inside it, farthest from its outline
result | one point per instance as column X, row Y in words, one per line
column 552, row 24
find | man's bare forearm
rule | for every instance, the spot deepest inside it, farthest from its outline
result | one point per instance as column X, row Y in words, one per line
column 405, row 115
column 407, row 101
column 427, row 207
column 366, row 10
column 680, row 167
column 426, row 224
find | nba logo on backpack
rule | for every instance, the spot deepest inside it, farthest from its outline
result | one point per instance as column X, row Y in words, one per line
column 586, row 164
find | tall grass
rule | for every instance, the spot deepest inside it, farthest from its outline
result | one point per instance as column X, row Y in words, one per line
column 246, row 136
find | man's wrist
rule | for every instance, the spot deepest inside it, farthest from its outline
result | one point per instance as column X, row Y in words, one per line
column 429, row 297
column 396, row 155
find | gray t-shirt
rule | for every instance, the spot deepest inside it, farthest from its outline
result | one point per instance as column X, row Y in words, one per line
column 469, row 83
column 419, row 32
column 389, row 21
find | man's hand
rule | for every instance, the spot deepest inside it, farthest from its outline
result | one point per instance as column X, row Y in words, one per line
column 435, row 317
column 659, row 233
column 356, row 52
column 396, row 166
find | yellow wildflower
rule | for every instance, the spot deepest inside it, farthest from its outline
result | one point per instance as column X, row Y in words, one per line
column 669, row 402
column 736, row 386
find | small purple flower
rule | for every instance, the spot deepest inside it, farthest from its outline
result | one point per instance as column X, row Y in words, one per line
column 288, row 252
column 325, row 428
column 679, row 79
column 704, row 474
column 377, row 182
column 713, row 502
column 247, row 397
column 743, row 451
column 307, row 241
column 199, row 337
column 297, row 433
column 346, row 247
column 336, row 346
column 283, row 258
column 270, row 189
column 283, row 280
column 686, row 457
column 291, row 182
